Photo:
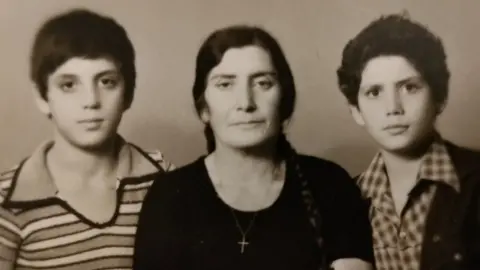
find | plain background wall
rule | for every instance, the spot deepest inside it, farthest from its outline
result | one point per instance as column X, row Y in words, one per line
column 167, row 35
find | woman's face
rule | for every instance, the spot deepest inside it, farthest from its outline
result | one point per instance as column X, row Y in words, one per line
column 242, row 98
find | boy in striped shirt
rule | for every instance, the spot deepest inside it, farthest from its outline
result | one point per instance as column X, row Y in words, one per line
column 73, row 203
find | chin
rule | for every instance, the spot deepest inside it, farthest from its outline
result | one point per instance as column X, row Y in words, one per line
column 248, row 143
column 92, row 142
column 245, row 145
column 399, row 146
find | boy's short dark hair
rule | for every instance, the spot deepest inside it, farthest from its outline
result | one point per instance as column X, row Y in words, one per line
column 395, row 35
column 81, row 33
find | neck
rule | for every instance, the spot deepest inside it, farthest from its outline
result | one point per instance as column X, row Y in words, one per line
column 406, row 164
column 246, row 166
column 400, row 163
column 83, row 165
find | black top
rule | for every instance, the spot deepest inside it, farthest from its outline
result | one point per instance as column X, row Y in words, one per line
column 452, row 234
column 185, row 225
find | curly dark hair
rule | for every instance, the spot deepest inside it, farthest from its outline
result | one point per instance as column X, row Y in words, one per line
column 395, row 35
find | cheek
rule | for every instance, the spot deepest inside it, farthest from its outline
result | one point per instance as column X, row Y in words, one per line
column 117, row 102
column 371, row 114
column 218, row 107
column 62, row 116
column 218, row 112
column 424, row 110
column 61, row 106
column 272, row 106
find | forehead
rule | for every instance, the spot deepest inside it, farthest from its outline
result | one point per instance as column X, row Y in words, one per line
column 387, row 69
column 244, row 60
column 85, row 66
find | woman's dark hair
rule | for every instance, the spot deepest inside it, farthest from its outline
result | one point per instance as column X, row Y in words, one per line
column 210, row 55
column 238, row 36
column 395, row 35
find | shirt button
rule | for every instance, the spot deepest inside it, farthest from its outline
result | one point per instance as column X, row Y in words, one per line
column 436, row 238
column 457, row 257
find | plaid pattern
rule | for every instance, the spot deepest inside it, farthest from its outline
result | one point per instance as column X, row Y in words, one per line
column 398, row 240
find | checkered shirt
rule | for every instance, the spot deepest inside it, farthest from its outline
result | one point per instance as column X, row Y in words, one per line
column 398, row 240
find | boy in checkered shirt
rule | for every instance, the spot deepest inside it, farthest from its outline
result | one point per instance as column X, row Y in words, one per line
column 423, row 190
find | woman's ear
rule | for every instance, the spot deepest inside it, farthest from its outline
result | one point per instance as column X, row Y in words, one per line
column 286, row 123
column 126, row 105
column 205, row 115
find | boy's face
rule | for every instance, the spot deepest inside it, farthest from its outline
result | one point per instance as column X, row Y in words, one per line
column 395, row 104
column 85, row 99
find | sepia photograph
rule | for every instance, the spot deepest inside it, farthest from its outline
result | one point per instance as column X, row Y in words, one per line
column 255, row 134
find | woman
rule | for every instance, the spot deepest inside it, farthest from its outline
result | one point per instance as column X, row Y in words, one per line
column 252, row 203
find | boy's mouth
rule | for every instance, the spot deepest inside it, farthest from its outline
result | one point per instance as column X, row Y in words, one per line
column 396, row 129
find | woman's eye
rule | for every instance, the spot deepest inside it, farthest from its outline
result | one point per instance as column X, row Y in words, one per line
column 265, row 84
column 411, row 87
column 109, row 83
column 223, row 85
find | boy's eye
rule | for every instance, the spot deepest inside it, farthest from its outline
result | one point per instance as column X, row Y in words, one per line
column 411, row 87
column 67, row 86
column 373, row 92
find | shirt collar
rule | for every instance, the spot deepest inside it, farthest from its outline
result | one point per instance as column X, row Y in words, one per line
column 436, row 166
column 33, row 172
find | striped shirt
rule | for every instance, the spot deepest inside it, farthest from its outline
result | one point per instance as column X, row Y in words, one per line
column 41, row 231
column 397, row 240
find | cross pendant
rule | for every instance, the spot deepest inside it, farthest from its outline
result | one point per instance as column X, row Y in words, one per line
column 242, row 243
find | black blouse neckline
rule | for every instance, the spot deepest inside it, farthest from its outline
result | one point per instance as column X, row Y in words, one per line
column 214, row 193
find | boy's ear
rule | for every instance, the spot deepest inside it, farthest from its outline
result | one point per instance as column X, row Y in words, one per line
column 357, row 115
column 41, row 103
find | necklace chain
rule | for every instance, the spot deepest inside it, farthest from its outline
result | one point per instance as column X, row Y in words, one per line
column 243, row 243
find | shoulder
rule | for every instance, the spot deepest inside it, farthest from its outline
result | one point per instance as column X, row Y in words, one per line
column 10, row 223
column 158, row 157
column 186, row 172
column 145, row 158
column 179, row 181
column 172, row 194
column 463, row 157
column 466, row 162
column 7, row 181
column 324, row 170
column 10, row 235
column 329, row 181
column 321, row 165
